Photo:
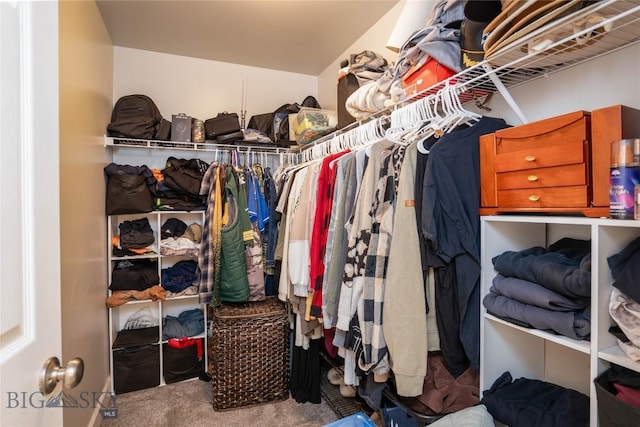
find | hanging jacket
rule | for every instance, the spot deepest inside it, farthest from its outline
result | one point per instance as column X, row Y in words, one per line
column 234, row 284
column 270, row 237
column 374, row 355
column 209, row 256
column 406, row 334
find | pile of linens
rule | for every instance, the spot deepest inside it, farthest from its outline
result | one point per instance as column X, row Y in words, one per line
column 624, row 302
column 545, row 288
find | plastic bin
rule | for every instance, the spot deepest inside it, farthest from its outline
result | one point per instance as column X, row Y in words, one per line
column 309, row 122
column 136, row 359
column 179, row 364
column 358, row 419
column 136, row 368
column 398, row 417
column 613, row 412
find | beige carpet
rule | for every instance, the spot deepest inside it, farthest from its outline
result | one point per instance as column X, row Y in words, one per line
column 189, row 404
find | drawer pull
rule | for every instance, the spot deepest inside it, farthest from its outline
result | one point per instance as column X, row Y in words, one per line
column 530, row 158
column 532, row 178
column 534, row 198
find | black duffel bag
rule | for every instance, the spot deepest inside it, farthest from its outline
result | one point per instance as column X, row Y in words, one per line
column 216, row 128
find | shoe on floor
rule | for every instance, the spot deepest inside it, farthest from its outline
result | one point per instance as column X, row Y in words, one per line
column 375, row 417
column 334, row 376
column 347, row 390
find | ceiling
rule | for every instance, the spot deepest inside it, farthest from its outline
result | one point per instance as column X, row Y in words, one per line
column 300, row 36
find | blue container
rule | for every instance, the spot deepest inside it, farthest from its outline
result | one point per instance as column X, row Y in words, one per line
column 398, row 417
column 358, row 419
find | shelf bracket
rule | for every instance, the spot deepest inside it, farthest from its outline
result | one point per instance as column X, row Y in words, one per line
column 504, row 92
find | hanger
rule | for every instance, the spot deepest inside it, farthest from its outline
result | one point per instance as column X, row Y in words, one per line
column 370, row 133
column 335, row 144
column 430, row 110
column 413, row 121
column 447, row 102
column 459, row 114
column 402, row 122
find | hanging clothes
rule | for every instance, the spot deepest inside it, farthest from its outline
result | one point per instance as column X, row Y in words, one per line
column 351, row 295
column 336, row 252
column 320, row 232
column 234, row 284
column 209, row 255
column 298, row 244
column 258, row 216
column 270, row 236
column 451, row 225
column 404, row 314
column 385, row 302
column 292, row 183
column 374, row 356
column 235, row 201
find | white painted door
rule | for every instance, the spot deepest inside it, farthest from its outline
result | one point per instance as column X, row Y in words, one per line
column 29, row 210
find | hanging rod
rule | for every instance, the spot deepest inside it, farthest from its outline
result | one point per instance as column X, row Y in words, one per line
column 117, row 142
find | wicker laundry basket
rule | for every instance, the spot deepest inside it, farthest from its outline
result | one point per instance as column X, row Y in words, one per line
column 249, row 354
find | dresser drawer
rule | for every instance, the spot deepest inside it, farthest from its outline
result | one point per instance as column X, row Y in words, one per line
column 557, row 176
column 563, row 161
column 554, row 155
column 556, row 197
column 559, row 130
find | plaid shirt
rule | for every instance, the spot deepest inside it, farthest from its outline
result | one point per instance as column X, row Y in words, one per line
column 374, row 355
column 207, row 257
column 367, row 256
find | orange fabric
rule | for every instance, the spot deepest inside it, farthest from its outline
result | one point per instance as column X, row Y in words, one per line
column 157, row 173
column 153, row 293
column 115, row 241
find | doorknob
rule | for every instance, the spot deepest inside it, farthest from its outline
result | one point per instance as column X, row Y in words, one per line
column 52, row 372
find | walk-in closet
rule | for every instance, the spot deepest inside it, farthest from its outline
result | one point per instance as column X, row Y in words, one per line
column 320, row 214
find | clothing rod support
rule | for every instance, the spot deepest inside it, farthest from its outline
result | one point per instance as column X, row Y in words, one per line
column 504, row 92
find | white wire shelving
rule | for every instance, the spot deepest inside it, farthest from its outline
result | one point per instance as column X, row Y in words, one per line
column 601, row 28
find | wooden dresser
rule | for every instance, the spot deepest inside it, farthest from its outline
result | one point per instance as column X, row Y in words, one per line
column 558, row 165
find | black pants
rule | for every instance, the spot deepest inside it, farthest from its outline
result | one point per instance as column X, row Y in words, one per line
column 448, row 319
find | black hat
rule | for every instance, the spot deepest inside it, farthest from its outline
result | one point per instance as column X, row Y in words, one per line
column 173, row 227
column 477, row 15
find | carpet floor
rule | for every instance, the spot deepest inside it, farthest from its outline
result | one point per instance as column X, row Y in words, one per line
column 189, row 404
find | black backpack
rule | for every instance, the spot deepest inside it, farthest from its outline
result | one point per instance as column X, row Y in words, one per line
column 137, row 116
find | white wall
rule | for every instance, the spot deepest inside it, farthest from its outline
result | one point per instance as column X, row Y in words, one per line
column 608, row 80
column 85, row 107
column 202, row 88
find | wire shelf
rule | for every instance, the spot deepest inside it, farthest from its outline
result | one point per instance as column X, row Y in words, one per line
column 601, row 28
column 115, row 142
column 553, row 47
